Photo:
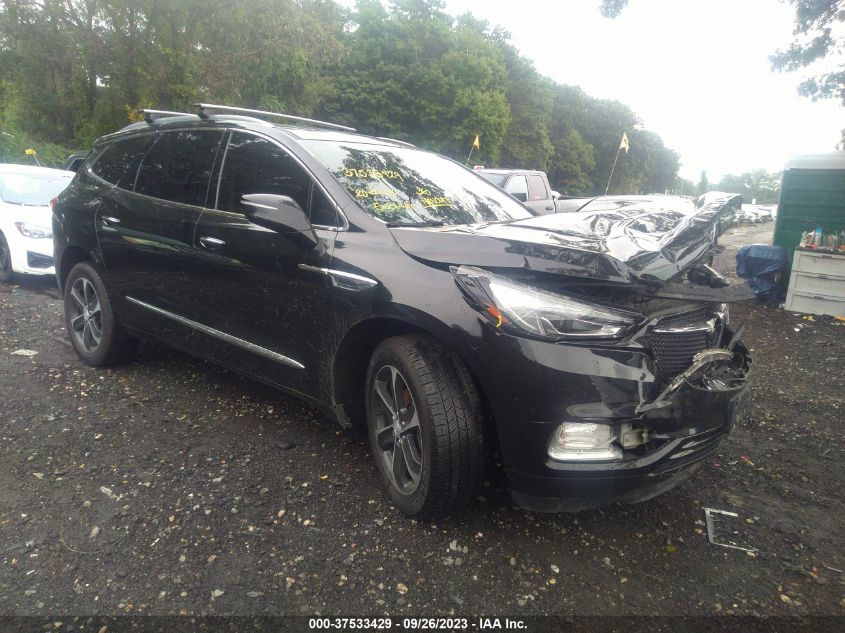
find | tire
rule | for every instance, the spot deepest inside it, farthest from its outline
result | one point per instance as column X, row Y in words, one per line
column 437, row 423
column 97, row 336
column 5, row 260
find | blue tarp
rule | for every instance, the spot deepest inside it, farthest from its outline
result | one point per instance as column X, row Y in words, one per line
column 759, row 264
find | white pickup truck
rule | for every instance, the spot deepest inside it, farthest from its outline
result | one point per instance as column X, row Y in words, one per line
column 528, row 186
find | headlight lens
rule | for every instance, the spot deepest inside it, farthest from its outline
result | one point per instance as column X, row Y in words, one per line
column 33, row 231
column 514, row 305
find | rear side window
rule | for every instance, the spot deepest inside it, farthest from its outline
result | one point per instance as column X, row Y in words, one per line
column 537, row 188
column 256, row 165
column 115, row 161
column 178, row 166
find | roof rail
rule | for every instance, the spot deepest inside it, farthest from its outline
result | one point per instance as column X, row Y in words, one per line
column 206, row 109
column 397, row 141
column 155, row 115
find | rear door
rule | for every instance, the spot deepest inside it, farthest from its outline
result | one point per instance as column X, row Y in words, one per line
column 266, row 308
column 146, row 229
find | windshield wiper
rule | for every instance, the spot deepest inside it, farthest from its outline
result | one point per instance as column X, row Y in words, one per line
column 415, row 224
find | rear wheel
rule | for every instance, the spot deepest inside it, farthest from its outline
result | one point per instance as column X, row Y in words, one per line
column 96, row 335
column 5, row 260
column 424, row 423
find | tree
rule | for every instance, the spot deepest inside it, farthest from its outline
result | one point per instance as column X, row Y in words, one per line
column 73, row 70
column 408, row 73
column 817, row 36
column 530, row 97
column 757, row 184
column 703, row 184
column 612, row 8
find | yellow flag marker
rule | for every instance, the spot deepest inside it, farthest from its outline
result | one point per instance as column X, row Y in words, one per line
column 476, row 144
column 623, row 144
column 30, row 152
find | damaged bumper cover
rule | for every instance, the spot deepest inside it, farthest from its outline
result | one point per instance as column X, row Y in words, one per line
column 675, row 423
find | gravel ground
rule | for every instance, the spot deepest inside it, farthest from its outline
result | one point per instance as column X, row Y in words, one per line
column 170, row 486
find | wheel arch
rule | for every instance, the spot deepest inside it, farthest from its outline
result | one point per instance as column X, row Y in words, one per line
column 349, row 370
column 71, row 256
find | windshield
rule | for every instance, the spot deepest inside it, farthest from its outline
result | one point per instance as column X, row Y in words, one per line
column 32, row 189
column 410, row 186
column 496, row 179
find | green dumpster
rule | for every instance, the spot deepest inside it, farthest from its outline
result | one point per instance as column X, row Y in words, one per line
column 812, row 194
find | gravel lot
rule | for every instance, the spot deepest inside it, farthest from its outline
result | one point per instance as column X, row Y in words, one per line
column 170, row 486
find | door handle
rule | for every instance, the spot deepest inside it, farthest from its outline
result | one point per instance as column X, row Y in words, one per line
column 550, row 208
column 211, row 242
column 110, row 220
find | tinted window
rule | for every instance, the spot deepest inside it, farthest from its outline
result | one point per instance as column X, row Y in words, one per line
column 178, row 166
column 115, row 160
column 322, row 211
column 518, row 188
column 256, row 165
column 537, row 188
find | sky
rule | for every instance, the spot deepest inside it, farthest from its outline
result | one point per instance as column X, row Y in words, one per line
column 696, row 72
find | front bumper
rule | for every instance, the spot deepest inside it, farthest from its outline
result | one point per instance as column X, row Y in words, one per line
column 552, row 383
column 31, row 256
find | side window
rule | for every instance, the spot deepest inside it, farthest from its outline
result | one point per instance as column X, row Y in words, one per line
column 518, row 188
column 322, row 212
column 114, row 162
column 178, row 166
column 256, row 165
column 537, row 188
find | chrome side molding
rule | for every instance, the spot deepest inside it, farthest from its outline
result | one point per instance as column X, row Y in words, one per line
column 341, row 278
column 228, row 338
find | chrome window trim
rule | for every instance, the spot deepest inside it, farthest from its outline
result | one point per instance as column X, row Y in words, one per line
column 228, row 338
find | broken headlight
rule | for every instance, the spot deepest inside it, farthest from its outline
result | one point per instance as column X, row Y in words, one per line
column 529, row 310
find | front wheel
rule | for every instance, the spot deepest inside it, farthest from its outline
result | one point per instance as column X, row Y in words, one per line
column 5, row 260
column 97, row 336
column 424, row 423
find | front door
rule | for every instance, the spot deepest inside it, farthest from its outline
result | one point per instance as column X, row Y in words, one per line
column 261, row 303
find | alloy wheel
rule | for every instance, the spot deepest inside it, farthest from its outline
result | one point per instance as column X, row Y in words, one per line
column 398, row 433
column 85, row 315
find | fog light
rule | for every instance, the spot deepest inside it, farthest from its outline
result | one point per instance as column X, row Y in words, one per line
column 582, row 442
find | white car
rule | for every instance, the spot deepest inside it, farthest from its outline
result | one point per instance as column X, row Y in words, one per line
column 26, row 234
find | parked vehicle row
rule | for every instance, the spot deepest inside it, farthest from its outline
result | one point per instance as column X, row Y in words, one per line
column 756, row 213
column 394, row 288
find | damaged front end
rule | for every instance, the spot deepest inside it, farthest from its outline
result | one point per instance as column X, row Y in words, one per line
column 611, row 365
column 631, row 425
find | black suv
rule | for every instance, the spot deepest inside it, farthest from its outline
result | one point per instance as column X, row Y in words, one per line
column 393, row 287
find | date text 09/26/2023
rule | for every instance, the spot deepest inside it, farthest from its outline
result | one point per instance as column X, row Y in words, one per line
column 417, row 624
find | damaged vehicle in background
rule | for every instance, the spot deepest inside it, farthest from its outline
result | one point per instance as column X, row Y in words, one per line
column 394, row 288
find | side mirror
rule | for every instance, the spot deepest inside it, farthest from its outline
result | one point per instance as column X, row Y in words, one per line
column 281, row 214
column 555, row 195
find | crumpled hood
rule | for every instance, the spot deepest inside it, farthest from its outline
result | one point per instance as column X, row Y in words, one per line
column 616, row 239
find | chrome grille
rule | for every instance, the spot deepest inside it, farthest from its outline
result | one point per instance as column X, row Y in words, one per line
column 677, row 338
